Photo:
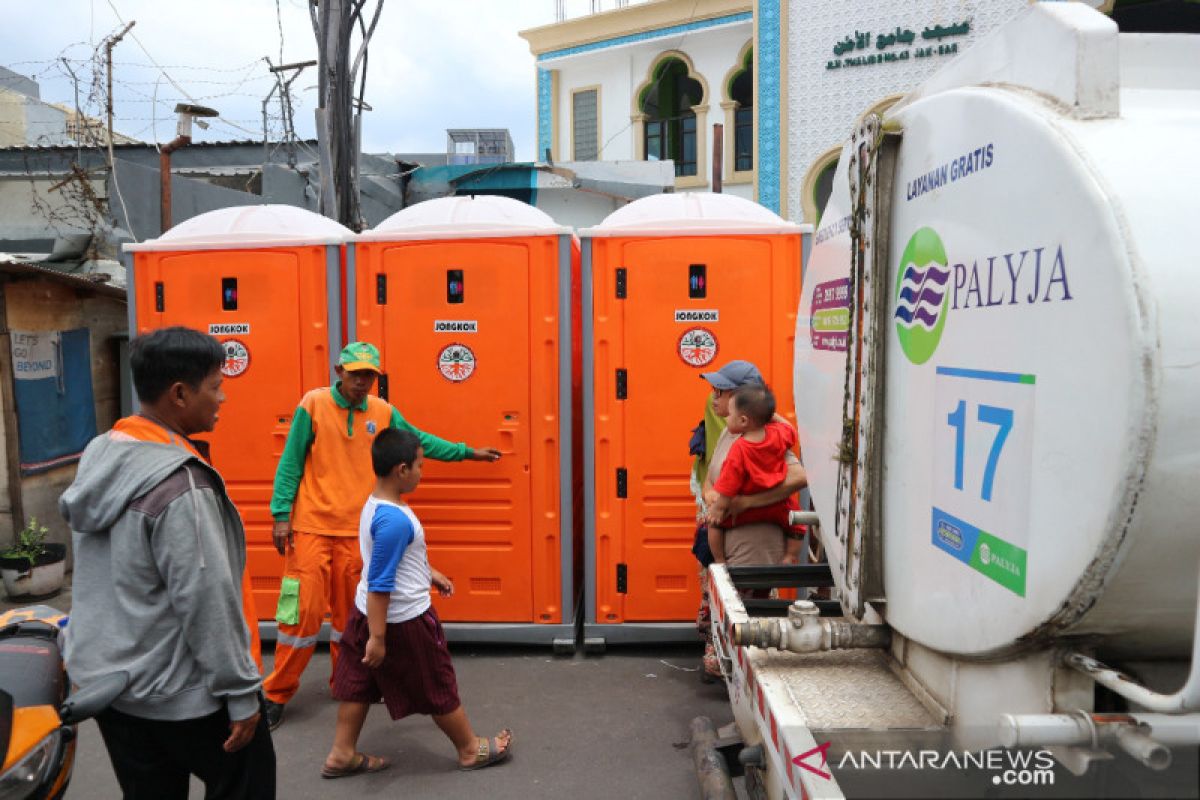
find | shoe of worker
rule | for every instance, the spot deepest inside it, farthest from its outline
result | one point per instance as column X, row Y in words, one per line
column 274, row 712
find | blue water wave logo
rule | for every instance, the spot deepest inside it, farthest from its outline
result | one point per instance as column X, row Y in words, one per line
column 922, row 292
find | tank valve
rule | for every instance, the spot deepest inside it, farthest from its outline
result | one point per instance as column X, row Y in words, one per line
column 805, row 632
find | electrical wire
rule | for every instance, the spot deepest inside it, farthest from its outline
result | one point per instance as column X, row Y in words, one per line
column 279, row 19
column 171, row 80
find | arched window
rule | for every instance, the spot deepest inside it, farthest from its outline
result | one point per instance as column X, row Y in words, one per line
column 818, row 185
column 670, row 123
column 823, row 187
column 741, row 92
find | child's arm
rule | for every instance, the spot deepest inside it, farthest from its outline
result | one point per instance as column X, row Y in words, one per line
column 791, row 553
column 718, row 508
column 795, row 480
column 377, row 608
column 444, row 585
column 716, row 543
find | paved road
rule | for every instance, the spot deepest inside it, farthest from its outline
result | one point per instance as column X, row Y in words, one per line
column 609, row 726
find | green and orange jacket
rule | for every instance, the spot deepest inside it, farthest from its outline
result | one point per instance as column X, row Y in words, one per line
column 324, row 475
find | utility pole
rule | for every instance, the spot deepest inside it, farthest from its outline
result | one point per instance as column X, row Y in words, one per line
column 285, row 106
column 339, row 112
column 112, row 42
column 108, row 103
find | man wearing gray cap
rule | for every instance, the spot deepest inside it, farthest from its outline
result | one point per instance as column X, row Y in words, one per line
column 758, row 542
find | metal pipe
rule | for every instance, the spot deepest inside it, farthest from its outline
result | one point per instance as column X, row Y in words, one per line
column 1145, row 737
column 805, row 632
column 164, row 171
column 1030, row 730
column 803, row 518
column 1135, row 742
column 1171, row 729
column 711, row 770
column 1186, row 699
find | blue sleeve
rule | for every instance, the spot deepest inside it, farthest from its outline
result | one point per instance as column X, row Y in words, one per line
column 391, row 534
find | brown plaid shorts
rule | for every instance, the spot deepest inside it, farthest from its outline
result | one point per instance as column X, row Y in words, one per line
column 416, row 676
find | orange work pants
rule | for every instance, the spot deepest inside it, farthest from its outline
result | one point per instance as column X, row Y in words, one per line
column 328, row 569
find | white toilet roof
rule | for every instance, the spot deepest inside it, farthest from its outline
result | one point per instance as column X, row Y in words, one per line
column 465, row 217
column 248, row 227
column 691, row 214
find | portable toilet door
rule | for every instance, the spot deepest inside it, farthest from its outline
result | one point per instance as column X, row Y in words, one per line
column 674, row 285
column 470, row 301
column 265, row 281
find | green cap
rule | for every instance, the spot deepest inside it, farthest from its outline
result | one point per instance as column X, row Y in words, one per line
column 360, row 355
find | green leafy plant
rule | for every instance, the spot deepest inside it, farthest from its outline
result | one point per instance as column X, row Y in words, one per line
column 30, row 544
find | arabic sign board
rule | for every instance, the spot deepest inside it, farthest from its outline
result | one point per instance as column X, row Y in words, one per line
column 861, row 40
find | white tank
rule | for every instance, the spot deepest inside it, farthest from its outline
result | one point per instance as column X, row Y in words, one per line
column 1038, row 459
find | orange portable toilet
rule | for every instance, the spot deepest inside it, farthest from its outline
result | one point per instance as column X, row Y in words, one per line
column 674, row 285
column 265, row 280
column 470, row 301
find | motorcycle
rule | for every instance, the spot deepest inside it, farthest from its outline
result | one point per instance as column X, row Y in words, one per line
column 38, row 717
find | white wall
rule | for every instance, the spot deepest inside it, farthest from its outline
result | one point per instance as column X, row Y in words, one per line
column 576, row 209
column 612, row 72
column 824, row 104
column 45, row 125
column 21, row 195
column 620, row 71
column 27, row 121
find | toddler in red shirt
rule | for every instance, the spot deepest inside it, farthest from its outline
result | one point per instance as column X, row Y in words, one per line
column 756, row 461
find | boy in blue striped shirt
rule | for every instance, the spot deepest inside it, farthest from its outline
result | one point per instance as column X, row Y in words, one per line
column 394, row 647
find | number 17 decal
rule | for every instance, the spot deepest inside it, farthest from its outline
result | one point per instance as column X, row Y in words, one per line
column 982, row 468
column 1002, row 418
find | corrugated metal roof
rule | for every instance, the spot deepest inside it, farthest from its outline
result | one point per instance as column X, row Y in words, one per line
column 145, row 145
column 95, row 282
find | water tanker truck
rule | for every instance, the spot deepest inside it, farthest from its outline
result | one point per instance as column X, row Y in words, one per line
column 997, row 383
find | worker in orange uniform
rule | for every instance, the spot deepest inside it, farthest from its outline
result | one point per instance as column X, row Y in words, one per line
column 321, row 483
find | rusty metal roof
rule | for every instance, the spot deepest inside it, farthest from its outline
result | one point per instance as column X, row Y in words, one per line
column 93, row 282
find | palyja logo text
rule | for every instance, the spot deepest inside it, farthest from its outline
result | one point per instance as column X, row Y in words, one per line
column 921, row 295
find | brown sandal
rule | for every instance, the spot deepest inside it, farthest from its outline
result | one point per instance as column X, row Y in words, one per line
column 362, row 765
column 486, row 755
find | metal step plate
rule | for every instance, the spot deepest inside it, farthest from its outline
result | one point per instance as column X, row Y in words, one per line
column 845, row 689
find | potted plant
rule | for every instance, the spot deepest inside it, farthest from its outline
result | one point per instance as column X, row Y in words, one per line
column 33, row 568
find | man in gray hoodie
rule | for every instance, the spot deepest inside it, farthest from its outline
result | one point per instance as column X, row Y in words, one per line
column 159, row 555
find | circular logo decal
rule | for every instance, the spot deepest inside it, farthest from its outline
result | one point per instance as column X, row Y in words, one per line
column 456, row 362
column 237, row 358
column 985, row 554
column 697, row 347
column 921, row 295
